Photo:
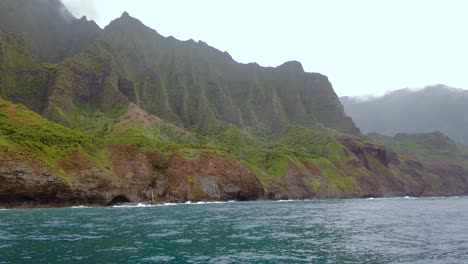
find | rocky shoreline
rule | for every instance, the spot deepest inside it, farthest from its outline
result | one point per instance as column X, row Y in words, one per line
column 140, row 176
column 161, row 204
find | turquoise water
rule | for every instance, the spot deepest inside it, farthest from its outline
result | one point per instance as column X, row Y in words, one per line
column 430, row 230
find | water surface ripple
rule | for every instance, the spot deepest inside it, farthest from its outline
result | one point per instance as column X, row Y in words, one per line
column 429, row 230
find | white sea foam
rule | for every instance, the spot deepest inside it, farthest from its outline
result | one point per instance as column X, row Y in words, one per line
column 393, row 198
column 286, row 201
column 212, row 202
column 169, row 204
column 80, row 206
column 133, row 205
column 208, row 202
column 144, row 205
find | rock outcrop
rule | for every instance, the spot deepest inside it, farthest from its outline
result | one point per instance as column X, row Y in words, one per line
column 29, row 182
column 138, row 175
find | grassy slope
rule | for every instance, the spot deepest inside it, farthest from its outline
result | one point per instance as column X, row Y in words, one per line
column 313, row 151
column 92, row 131
column 76, row 91
column 268, row 155
column 310, row 148
column 24, row 132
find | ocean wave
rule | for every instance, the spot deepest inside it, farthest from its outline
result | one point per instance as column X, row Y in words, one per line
column 296, row 200
column 287, row 201
column 209, row 202
column 159, row 259
column 134, row 205
column 169, row 204
column 413, row 198
column 79, row 206
column 393, row 198
column 139, row 205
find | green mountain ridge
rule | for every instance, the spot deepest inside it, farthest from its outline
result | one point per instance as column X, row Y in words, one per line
column 194, row 84
column 190, row 83
column 131, row 112
column 433, row 108
column 434, row 146
column 49, row 30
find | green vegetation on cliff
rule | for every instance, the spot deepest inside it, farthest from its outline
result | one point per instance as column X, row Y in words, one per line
column 195, row 85
column 426, row 146
column 94, row 132
column 183, row 82
column 129, row 111
column 28, row 133
column 22, row 78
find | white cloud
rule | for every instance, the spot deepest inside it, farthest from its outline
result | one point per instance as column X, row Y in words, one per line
column 80, row 8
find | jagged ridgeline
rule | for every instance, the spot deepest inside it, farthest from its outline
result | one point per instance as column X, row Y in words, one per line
column 123, row 111
column 433, row 108
column 191, row 84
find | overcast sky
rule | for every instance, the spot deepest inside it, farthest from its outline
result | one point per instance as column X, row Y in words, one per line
column 363, row 46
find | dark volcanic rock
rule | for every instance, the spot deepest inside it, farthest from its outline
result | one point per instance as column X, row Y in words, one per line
column 31, row 183
column 360, row 149
column 209, row 177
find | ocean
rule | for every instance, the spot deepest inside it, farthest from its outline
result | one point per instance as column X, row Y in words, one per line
column 393, row 230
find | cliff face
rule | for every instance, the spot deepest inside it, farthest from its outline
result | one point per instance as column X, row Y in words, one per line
column 22, row 78
column 42, row 163
column 131, row 113
column 194, row 84
column 188, row 83
column 137, row 174
column 88, row 78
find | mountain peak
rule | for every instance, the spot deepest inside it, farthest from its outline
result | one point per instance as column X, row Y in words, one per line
column 127, row 20
column 442, row 87
column 127, row 17
column 292, row 65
